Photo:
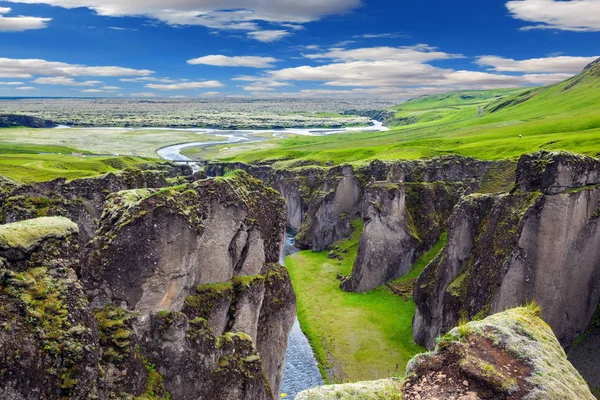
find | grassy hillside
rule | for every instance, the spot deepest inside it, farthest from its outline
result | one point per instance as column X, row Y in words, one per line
column 563, row 116
column 25, row 164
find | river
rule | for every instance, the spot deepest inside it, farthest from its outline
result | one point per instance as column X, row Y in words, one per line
column 173, row 153
column 300, row 370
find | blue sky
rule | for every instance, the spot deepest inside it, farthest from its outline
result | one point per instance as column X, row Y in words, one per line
column 334, row 48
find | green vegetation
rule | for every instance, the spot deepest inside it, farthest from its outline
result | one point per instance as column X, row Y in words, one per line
column 355, row 336
column 404, row 286
column 385, row 389
column 558, row 117
column 33, row 167
column 115, row 333
column 27, row 234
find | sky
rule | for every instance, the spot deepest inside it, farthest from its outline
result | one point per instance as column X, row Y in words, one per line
column 395, row 49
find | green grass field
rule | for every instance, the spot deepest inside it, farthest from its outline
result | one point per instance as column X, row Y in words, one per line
column 25, row 164
column 564, row 116
column 355, row 336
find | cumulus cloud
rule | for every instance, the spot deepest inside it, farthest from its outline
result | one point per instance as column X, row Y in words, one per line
column 61, row 80
column 26, row 88
column 26, row 68
column 571, row 15
column 406, row 72
column 20, row 23
column 560, row 64
column 238, row 61
column 418, row 53
column 12, row 83
column 185, row 85
column 268, row 36
column 216, row 14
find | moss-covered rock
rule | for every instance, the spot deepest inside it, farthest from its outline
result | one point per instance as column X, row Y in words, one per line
column 506, row 249
column 27, row 235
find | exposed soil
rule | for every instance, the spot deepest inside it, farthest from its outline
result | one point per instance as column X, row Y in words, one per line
column 452, row 375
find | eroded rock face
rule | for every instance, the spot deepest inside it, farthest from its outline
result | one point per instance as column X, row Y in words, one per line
column 186, row 297
column 504, row 250
column 402, row 222
column 510, row 355
column 322, row 202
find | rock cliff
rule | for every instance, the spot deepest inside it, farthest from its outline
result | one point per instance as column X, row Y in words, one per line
column 541, row 242
column 179, row 295
column 9, row 121
column 405, row 206
column 510, row 355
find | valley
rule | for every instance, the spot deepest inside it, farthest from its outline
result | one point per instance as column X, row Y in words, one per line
column 463, row 221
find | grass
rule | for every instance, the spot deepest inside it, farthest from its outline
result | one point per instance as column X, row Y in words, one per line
column 134, row 142
column 355, row 336
column 559, row 117
column 25, row 165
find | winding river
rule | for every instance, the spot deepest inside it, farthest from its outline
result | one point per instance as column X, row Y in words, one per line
column 173, row 153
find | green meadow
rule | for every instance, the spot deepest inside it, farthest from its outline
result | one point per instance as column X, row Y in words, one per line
column 355, row 336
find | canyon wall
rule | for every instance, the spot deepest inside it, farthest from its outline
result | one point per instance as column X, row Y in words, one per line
column 179, row 294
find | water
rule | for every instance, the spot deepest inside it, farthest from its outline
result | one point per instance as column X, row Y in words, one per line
column 300, row 370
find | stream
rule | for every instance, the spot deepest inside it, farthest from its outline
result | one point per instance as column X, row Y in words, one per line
column 300, row 370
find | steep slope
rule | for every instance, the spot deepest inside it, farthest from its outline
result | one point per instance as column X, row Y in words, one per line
column 179, row 295
column 541, row 242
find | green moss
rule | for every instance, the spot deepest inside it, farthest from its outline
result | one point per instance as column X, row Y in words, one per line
column 28, row 234
column 500, row 177
column 207, row 296
column 44, row 299
column 155, row 387
column 114, row 328
column 386, row 389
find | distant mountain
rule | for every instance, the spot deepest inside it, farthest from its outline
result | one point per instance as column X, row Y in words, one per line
column 9, row 121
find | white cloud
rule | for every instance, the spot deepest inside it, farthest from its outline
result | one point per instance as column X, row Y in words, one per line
column 210, row 94
column 418, row 53
column 12, row 83
column 93, row 91
column 185, row 85
column 118, row 28
column 148, row 79
column 26, row 88
column 571, row 15
column 61, row 80
column 26, row 68
column 391, row 35
column 406, row 72
column 215, row 14
column 238, row 61
column 20, row 23
column 143, row 94
column 268, row 36
column 560, row 64
column 111, row 88
column 258, row 88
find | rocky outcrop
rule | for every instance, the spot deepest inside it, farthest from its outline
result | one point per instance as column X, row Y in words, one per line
column 511, row 355
column 81, row 200
column 9, row 121
column 542, row 242
column 179, row 295
column 402, row 222
column 48, row 335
